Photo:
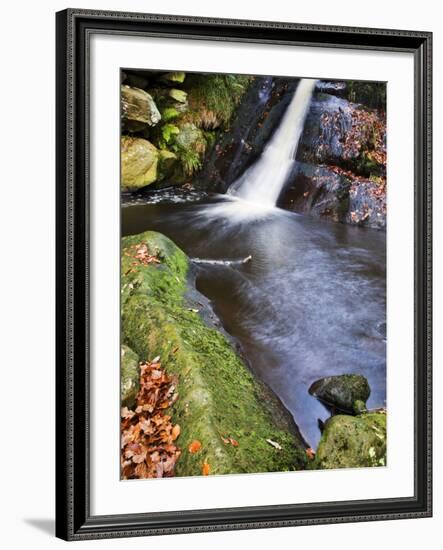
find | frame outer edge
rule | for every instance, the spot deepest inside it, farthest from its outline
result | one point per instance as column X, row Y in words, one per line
column 72, row 521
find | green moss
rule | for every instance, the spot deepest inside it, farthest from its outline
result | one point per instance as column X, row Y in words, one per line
column 169, row 113
column 352, row 442
column 139, row 159
column 177, row 76
column 169, row 131
column 178, row 95
column 129, row 377
column 218, row 395
column 218, row 94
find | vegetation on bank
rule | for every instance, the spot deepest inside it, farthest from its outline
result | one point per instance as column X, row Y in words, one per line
column 237, row 424
column 170, row 121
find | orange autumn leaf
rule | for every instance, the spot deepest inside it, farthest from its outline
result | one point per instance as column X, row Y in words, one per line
column 310, row 453
column 233, row 442
column 194, row 446
column 175, row 432
column 206, row 468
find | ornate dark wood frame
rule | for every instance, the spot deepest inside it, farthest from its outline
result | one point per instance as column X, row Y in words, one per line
column 74, row 29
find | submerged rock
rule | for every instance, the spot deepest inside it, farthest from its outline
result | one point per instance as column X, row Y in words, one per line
column 352, row 442
column 218, row 397
column 346, row 392
column 138, row 163
column 129, row 377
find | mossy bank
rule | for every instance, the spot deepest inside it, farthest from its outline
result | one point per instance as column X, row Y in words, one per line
column 218, row 396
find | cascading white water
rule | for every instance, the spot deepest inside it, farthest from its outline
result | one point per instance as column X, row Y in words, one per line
column 264, row 180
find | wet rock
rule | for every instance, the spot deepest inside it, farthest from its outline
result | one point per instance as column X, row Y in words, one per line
column 332, row 194
column 129, row 377
column 345, row 134
column 138, row 108
column 345, row 393
column 139, row 160
column 352, row 442
column 256, row 118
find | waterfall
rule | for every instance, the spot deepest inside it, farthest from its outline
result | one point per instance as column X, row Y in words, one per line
column 264, row 180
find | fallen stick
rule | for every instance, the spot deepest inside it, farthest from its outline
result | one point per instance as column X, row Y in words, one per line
column 222, row 262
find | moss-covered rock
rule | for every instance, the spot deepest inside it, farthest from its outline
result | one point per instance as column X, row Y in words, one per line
column 178, row 95
column 138, row 108
column 174, row 77
column 346, row 392
column 167, row 161
column 139, row 160
column 218, row 395
column 352, row 442
column 129, row 377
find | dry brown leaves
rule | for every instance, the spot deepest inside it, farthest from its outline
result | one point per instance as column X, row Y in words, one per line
column 141, row 255
column 148, row 437
column 365, row 132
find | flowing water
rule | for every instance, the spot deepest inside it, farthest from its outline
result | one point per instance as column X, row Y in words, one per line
column 264, row 180
column 310, row 302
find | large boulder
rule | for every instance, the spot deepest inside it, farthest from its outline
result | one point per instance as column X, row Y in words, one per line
column 334, row 194
column 338, row 132
column 352, row 442
column 138, row 108
column 129, row 377
column 345, row 393
column 139, row 160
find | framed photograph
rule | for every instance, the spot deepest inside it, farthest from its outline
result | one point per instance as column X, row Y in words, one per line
column 243, row 274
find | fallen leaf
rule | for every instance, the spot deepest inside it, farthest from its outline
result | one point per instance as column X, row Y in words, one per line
column 233, row 442
column 194, row 446
column 175, row 432
column 310, row 453
column 206, row 468
column 225, row 440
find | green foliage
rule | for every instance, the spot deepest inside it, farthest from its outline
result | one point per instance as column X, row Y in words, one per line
column 190, row 160
column 169, row 113
column 210, row 137
column 218, row 93
column 168, row 131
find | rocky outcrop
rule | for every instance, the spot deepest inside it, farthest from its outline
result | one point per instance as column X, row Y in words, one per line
column 139, row 159
column 138, row 109
column 340, row 174
column 257, row 117
column 178, row 114
column 330, row 193
column 352, row 442
column 219, row 399
column 344, row 393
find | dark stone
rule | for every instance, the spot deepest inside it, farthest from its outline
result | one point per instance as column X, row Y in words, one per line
column 255, row 120
column 323, row 193
column 346, row 393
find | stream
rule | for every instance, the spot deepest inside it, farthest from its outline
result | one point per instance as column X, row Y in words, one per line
column 310, row 303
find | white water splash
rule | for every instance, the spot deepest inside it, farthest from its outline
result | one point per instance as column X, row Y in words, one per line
column 264, row 180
